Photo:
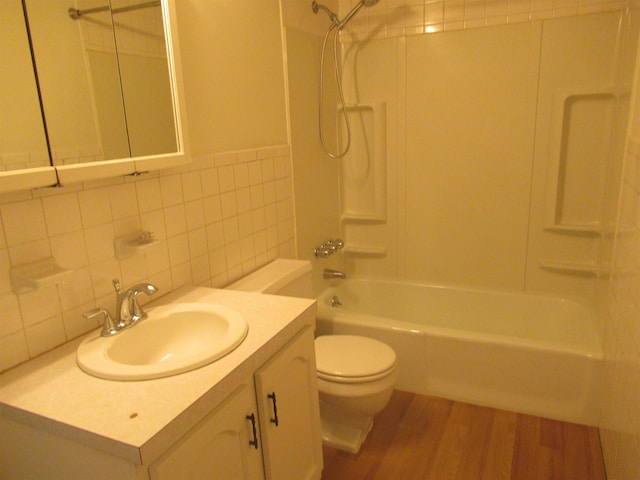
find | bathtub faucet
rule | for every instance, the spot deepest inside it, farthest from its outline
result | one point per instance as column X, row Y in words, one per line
column 330, row 273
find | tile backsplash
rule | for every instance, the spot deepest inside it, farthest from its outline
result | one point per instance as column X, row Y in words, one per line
column 217, row 219
column 394, row 18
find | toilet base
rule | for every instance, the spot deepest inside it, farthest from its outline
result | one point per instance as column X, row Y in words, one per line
column 343, row 431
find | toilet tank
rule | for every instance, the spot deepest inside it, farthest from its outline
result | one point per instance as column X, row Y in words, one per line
column 283, row 276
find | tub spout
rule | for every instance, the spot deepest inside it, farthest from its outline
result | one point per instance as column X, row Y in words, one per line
column 330, row 273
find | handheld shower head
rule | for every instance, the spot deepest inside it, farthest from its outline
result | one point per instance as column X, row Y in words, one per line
column 354, row 10
column 340, row 24
column 336, row 26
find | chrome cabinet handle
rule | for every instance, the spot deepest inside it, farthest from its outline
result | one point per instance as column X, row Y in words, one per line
column 253, row 442
column 274, row 420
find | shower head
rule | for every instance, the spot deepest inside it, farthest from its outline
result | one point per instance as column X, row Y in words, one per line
column 354, row 10
column 340, row 24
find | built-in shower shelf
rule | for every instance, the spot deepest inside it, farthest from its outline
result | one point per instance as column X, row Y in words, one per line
column 361, row 218
column 365, row 250
column 363, row 177
column 574, row 268
column 580, row 131
column 586, row 229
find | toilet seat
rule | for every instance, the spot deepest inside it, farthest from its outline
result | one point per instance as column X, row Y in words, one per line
column 353, row 359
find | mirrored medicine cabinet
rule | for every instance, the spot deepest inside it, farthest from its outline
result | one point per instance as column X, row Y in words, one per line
column 89, row 89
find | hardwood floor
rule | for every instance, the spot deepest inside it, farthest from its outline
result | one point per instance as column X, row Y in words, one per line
column 418, row 437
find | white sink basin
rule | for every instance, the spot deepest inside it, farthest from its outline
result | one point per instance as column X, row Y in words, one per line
column 174, row 339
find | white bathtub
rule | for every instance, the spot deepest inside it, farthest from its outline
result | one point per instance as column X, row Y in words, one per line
column 526, row 353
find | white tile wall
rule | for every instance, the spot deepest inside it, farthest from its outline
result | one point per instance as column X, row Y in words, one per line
column 620, row 429
column 393, row 18
column 219, row 218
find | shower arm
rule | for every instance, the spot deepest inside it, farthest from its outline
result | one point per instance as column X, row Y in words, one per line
column 350, row 15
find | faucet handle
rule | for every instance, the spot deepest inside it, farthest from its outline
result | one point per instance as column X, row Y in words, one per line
column 335, row 245
column 322, row 251
column 136, row 311
column 116, row 285
column 109, row 326
column 328, row 248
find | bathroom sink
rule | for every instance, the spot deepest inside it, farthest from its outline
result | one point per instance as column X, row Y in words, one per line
column 175, row 338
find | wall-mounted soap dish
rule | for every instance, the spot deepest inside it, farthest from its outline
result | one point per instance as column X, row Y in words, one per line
column 33, row 275
column 134, row 243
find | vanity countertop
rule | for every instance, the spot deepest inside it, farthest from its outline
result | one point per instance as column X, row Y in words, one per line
column 139, row 420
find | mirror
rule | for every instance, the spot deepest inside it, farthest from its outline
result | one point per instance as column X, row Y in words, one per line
column 107, row 64
column 144, row 77
column 22, row 137
column 109, row 85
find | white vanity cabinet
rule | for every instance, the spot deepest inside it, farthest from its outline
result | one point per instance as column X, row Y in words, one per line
column 287, row 395
column 59, row 423
column 221, row 446
column 232, row 441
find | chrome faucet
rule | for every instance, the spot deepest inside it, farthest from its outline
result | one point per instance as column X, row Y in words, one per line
column 128, row 310
column 330, row 273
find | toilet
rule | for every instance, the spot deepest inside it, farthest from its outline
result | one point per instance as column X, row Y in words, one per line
column 356, row 375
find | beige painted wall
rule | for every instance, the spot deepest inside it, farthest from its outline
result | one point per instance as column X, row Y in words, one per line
column 234, row 74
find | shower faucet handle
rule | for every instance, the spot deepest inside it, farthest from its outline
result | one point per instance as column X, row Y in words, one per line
column 322, row 251
column 335, row 245
column 328, row 248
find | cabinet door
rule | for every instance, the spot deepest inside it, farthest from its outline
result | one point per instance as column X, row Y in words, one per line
column 287, row 392
column 219, row 446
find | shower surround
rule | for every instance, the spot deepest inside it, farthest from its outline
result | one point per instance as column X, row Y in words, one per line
column 499, row 143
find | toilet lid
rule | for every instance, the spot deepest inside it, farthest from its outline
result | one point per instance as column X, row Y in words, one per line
column 352, row 356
